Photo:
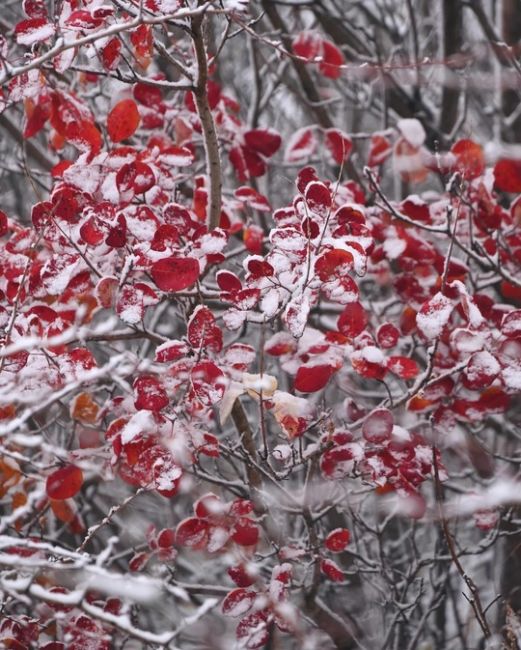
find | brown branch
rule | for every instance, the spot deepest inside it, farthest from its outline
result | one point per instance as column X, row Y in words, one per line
column 475, row 599
column 211, row 144
column 452, row 44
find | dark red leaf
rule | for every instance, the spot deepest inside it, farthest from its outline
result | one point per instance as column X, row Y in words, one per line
column 387, row 335
column 339, row 145
column 192, row 532
column 203, row 332
column 332, row 571
column 352, row 320
column 332, row 59
column 507, row 174
column 175, row 273
column 337, row 540
column 149, row 393
column 245, row 532
column 64, row 483
column 263, row 141
column 238, row 602
column 404, row 367
column 309, row 379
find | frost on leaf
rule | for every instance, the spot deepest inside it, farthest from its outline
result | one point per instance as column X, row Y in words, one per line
column 300, row 146
column 34, row 30
column 337, row 540
column 332, row 571
column 238, row 602
column 434, row 315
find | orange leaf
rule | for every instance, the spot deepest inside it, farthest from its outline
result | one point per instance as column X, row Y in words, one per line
column 63, row 509
column 9, row 474
column 84, row 409
column 123, row 120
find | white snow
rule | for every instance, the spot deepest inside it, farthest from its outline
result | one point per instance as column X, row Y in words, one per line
column 413, row 131
column 434, row 315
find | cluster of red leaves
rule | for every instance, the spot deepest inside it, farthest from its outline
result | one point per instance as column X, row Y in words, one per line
column 216, row 523
column 116, row 237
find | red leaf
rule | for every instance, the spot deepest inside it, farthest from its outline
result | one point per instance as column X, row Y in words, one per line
column 511, row 324
column 434, row 316
column 240, row 576
column 337, row 462
column 337, row 540
column 308, row 45
column 318, row 196
column 367, row 368
column 387, row 336
column 91, row 232
column 238, row 602
column 263, row 141
column 228, row 281
column 83, row 20
column 339, row 145
column 171, row 351
column 34, row 8
column 259, row 268
column 133, row 300
column 416, row 209
column 176, row 157
column 300, row 145
column 379, row 150
column 37, row 118
column 253, row 630
column 175, row 273
column 404, row 367
column 210, row 446
column 245, row 532
column 332, row 60
column 166, row 538
column 147, row 95
column 253, row 237
column 4, row 224
column 84, row 135
column 241, row 507
column 34, row 30
column 208, row 382
column 507, row 174
column 247, row 163
column 252, row 198
column 192, row 532
column 481, row 370
column 150, row 393
column 138, row 561
column 110, row 54
column 117, row 236
column 64, row 483
column 123, row 120
column 332, row 570
column 470, row 159
column 143, row 42
column 352, row 320
column 203, row 331
column 333, row 263
column 209, row 505
column 378, row 426
column 136, row 176
column 309, row 379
